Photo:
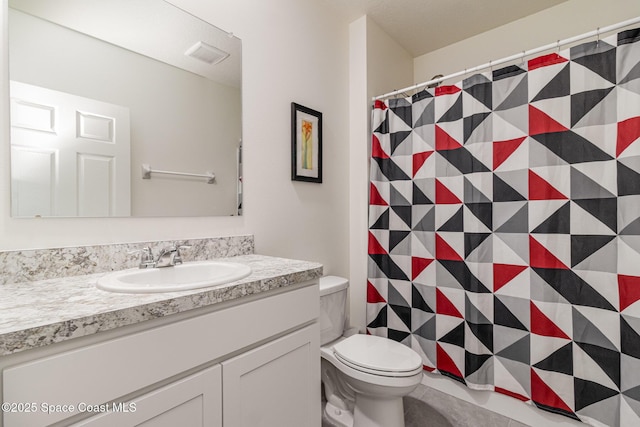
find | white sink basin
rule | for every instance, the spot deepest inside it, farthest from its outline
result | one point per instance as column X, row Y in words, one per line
column 182, row 277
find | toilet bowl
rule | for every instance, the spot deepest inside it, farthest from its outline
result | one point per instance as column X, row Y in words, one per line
column 364, row 377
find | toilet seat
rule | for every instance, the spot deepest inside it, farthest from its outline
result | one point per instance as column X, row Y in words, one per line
column 378, row 356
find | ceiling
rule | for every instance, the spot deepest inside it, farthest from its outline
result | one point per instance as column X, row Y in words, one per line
column 422, row 26
column 153, row 28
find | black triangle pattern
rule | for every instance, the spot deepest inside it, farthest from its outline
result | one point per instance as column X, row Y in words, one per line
column 484, row 333
column 608, row 360
column 603, row 64
column 583, row 247
column 573, row 288
column 582, row 103
column 558, row 223
column 418, row 302
column 419, row 198
column 454, row 223
column 503, row 192
column 382, row 223
column 483, row 92
column 454, row 336
column 473, row 362
column 557, row 361
column 470, row 123
column 463, row 160
column 628, row 181
column 504, row 317
column 604, row 209
column 476, row 297
column 557, row 87
column 571, row 147
column 463, row 275
column 587, row 393
column 454, row 113
column 472, row 241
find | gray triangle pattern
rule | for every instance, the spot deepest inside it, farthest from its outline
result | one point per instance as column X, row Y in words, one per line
column 606, row 411
column 521, row 372
column 583, row 187
column 586, row 332
column 605, row 259
column 511, row 93
column 472, row 194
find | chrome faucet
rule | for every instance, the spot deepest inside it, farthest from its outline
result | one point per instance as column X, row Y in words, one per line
column 168, row 257
column 146, row 257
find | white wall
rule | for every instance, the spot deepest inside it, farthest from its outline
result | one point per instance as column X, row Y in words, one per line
column 293, row 51
column 568, row 19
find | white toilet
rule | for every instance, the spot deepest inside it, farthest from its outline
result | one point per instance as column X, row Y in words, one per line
column 364, row 376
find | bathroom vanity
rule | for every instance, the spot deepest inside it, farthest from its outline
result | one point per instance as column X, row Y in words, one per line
column 241, row 354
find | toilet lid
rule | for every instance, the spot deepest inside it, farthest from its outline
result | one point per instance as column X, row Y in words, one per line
column 377, row 353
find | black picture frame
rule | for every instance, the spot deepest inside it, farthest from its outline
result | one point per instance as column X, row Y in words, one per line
column 306, row 146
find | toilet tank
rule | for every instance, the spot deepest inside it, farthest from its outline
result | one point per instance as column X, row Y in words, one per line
column 333, row 305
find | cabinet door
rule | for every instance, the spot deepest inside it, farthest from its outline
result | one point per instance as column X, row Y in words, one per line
column 192, row 401
column 275, row 385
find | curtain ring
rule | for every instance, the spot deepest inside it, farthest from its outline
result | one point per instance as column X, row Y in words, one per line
column 523, row 56
column 558, row 46
column 597, row 36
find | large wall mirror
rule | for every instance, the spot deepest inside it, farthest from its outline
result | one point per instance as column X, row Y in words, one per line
column 122, row 108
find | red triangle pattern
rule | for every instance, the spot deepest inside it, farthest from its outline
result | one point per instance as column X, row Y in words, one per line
column 419, row 159
column 503, row 149
column 375, row 198
column 379, row 105
column 375, row 248
column 445, row 306
column 543, row 394
column 376, row 149
column 542, row 325
column 628, row 289
column 540, row 189
column 444, row 196
column 444, row 251
column 545, row 60
column 418, row 265
column 444, row 141
column 541, row 257
column 373, row 296
column 447, row 90
column 504, row 273
column 446, row 363
column 540, row 122
column 512, row 394
column 628, row 132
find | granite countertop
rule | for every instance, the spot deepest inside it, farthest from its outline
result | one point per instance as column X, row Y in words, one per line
column 50, row 311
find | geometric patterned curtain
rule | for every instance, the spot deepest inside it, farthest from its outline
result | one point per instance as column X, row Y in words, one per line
column 504, row 230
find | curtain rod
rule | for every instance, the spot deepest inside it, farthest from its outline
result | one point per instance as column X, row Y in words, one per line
column 522, row 55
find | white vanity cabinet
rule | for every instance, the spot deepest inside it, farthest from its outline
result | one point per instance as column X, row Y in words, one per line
column 271, row 385
column 193, row 401
column 254, row 362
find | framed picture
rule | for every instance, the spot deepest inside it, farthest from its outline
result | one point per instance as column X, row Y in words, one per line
column 306, row 144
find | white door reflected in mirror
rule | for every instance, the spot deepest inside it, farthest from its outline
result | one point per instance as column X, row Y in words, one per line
column 69, row 155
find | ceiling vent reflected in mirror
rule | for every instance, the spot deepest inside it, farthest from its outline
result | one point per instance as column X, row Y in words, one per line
column 206, row 53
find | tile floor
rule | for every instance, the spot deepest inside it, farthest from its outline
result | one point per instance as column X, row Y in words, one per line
column 427, row 407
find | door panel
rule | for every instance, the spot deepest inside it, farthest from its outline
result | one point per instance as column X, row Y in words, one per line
column 89, row 142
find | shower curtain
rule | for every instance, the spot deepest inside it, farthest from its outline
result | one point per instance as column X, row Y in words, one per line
column 504, row 229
